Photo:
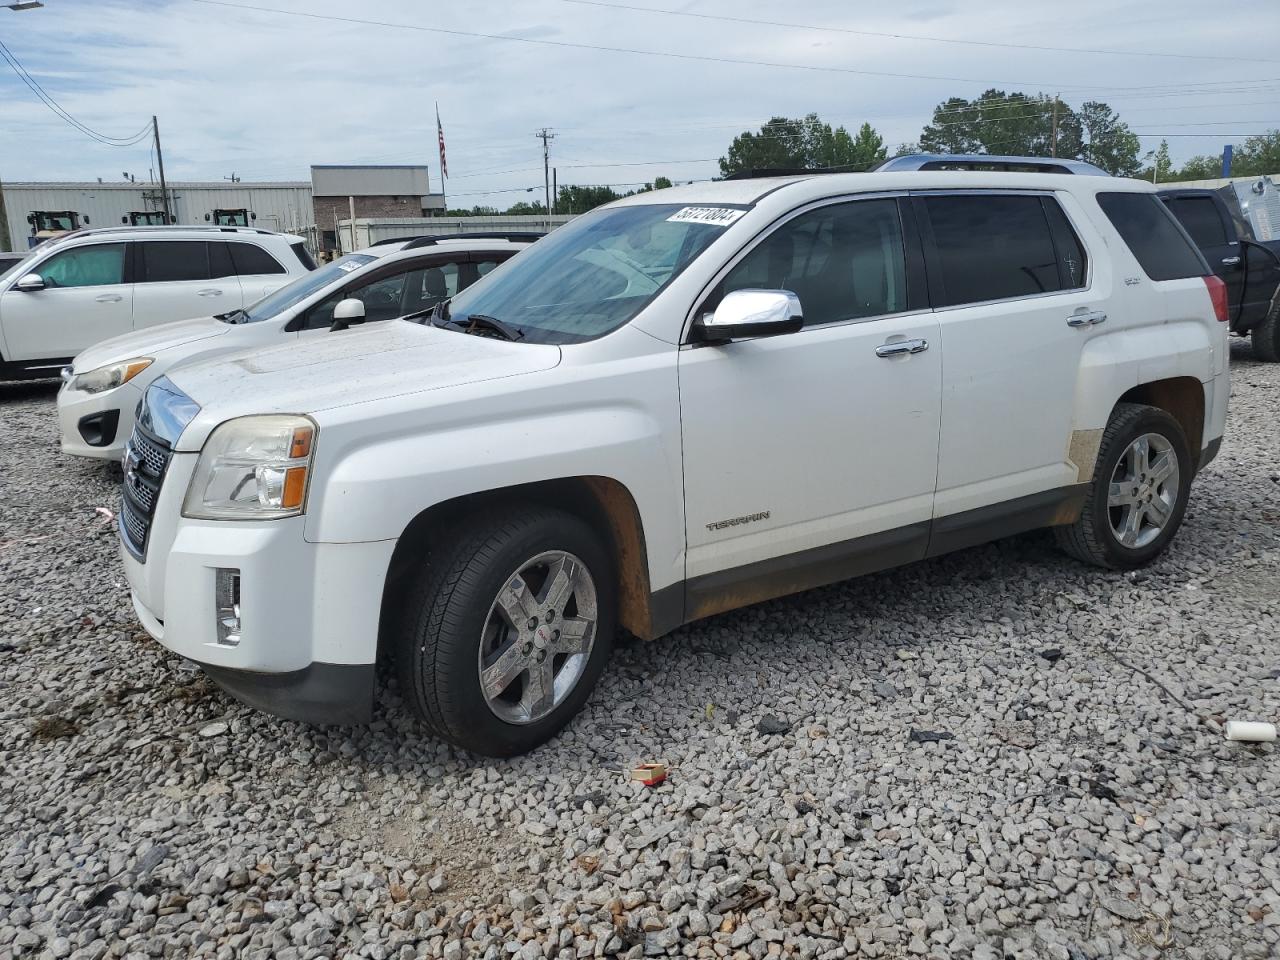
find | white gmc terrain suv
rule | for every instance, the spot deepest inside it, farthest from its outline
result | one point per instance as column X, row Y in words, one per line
column 683, row 402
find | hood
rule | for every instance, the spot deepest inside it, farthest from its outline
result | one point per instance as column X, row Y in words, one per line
column 386, row 359
column 149, row 342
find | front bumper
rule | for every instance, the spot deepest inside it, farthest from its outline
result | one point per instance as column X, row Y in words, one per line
column 97, row 424
column 309, row 612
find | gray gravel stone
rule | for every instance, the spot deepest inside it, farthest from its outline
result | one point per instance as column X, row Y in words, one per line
column 1086, row 798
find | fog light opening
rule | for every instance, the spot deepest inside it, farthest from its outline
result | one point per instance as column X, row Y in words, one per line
column 227, row 603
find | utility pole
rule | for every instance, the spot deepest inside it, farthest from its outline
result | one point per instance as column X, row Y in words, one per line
column 546, row 136
column 5, row 241
column 164, row 190
column 555, row 190
column 1053, row 150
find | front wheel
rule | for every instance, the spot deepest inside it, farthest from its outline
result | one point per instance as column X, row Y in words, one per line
column 1138, row 494
column 507, row 629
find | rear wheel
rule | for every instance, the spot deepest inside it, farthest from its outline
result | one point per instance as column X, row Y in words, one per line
column 507, row 629
column 1266, row 335
column 1138, row 494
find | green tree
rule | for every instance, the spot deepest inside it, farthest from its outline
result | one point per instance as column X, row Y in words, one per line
column 1107, row 141
column 580, row 199
column 661, row 183
column 802, row 144
column 1020, row 124
column 525, row 208
column 1159, row 166
column 1257, row 156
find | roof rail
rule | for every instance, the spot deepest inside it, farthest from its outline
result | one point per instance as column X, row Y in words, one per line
column 756, row 173
column 168, row 228
column 982, row 161
column 427, row 241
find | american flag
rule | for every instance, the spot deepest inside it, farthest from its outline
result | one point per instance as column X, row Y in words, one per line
column 444, row 166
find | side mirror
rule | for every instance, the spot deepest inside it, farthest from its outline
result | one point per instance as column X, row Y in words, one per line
column 751, row 313
column 124, row 219
column 86, row 221
column 347, row 312
column 29, row 283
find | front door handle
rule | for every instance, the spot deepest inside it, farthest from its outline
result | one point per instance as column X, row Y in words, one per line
column 1230, row 261
column 1086, row 319
column 210, row 293
column 109, row 298
column 899, row 348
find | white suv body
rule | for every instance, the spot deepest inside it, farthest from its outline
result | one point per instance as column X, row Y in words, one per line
column 980, row 354
column 102, row 386
column 90, row 285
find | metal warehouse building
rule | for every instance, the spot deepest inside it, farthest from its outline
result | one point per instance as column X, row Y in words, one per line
column 277, row 206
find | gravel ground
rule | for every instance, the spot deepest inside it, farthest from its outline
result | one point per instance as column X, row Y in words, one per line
column 998, row 754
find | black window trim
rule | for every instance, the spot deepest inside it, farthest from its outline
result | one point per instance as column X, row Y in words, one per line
column 918, row 300
column 936, row 292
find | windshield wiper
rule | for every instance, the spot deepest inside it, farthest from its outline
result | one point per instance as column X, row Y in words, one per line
column 233, row 316
column 492, row 324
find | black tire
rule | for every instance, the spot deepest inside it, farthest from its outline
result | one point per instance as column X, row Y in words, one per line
column 1266, row 335
column 1091, row 538
column 445, row 609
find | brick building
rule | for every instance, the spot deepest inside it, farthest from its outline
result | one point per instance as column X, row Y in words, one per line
column 374, row 191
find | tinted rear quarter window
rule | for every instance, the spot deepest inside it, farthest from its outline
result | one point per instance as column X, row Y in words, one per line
column 251, row 259
column 1149, row 230
column 1199, row 215
column 992, row 247
column 303, row 256
column 169, row 261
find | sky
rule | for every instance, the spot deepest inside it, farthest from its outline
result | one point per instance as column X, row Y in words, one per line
column 263, row 95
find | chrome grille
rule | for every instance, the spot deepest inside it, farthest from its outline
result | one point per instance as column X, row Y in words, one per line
column 146, row 458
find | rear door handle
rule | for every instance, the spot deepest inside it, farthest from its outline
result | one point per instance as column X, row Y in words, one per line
column 1087, row 319
column 109, row 298
column 1230, row 261
column 900, row 347
column 210, row 293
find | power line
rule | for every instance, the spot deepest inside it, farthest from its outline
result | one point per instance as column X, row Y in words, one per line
column 667, row 54
column 34, row 86
column 913, row 37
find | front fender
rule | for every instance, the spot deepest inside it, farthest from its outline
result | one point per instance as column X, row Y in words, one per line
column 374, row 475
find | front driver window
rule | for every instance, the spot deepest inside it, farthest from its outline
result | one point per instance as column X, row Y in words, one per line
column 843, row 261
column 95, row 266
column 381, row 300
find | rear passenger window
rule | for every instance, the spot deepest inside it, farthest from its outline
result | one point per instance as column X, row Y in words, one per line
column 167, row 261
column 252, row 259
column 1149, row 230
column 994, row 247
column 1200, row 217
column 843, row 261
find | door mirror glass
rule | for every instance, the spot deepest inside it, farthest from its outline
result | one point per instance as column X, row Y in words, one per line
column 29, row 282
column 752, row 313
column 347, row 312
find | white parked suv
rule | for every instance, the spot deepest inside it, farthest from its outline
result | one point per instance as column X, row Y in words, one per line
column 89, row 285
column 102, row 386
column 686, row 401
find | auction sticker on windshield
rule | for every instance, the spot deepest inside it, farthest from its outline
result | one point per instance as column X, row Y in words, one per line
column 714, row 216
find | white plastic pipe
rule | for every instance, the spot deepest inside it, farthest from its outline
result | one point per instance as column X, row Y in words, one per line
column 1251, row 731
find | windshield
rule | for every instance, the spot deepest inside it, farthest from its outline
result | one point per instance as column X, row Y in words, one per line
column 595, row 273
column 292, row 294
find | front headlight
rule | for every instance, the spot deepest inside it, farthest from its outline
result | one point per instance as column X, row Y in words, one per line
column 110, row 376
column 253, row 468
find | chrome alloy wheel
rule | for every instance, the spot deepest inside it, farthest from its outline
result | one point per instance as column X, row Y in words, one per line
column 1144, row 490
column 537, row 637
